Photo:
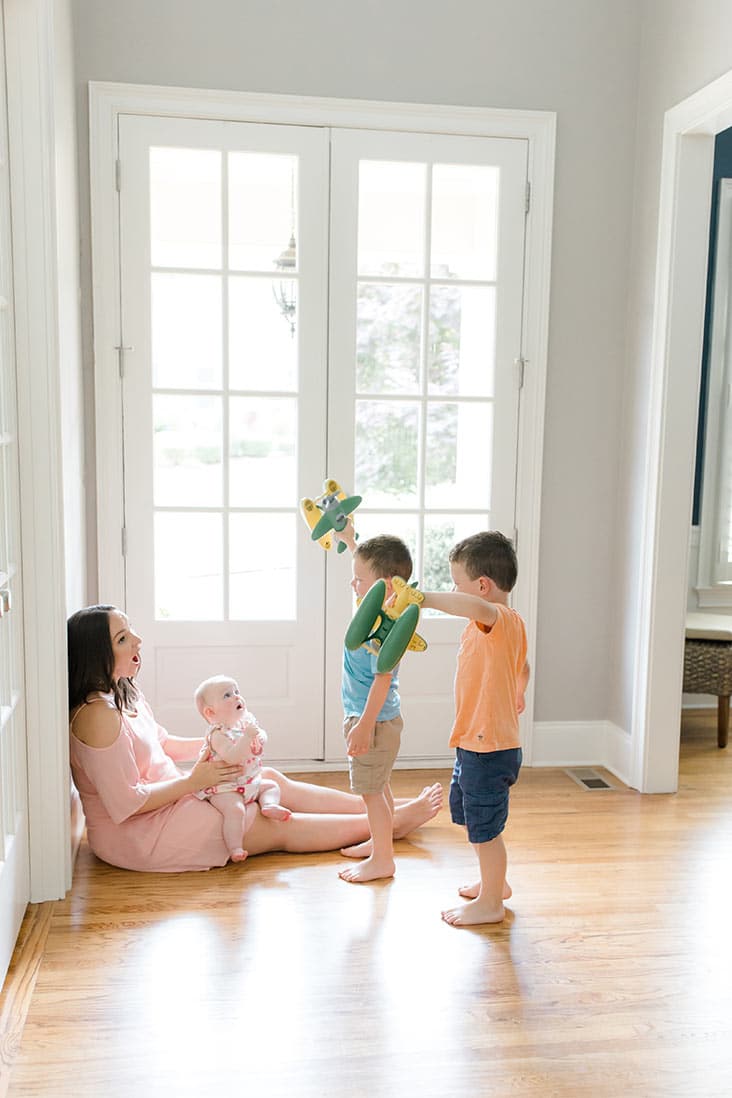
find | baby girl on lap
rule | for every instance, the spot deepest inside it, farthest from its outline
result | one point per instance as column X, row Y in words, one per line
column 234, row 736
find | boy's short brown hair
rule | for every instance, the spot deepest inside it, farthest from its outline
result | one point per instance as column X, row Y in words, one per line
column 488, row 553
column 386, row 555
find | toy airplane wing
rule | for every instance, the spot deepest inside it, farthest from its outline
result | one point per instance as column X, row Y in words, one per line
column 335, row 518
column 311, row 513
column 417, row 644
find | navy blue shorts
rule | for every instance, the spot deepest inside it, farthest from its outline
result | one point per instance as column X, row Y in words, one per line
column 479, row 790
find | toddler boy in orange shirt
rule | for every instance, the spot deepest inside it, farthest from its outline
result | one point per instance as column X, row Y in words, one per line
column 490, row 683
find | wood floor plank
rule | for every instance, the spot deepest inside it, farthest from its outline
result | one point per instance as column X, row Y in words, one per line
column 611, row 974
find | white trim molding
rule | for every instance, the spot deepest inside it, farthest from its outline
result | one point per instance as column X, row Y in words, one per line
column 29, row 30
column 583, row 743
column 107, row 101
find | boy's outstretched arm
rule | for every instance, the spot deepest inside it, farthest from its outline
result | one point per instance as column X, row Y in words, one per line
column 461, row 605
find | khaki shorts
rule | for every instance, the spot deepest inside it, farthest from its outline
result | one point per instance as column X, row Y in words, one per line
column 370, row 773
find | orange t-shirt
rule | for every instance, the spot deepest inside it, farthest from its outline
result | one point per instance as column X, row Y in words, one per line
column 489, row 662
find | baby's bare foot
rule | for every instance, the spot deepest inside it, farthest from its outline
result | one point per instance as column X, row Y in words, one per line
column 471, row 892
column 369, row 870
column 473, row 914
column 275, row 812
column 239, row 855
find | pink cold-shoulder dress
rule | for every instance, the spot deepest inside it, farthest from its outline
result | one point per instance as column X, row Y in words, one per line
column 186, row 835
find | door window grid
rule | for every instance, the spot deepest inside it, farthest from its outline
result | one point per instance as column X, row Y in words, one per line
column 419, row 520
column 190, row 535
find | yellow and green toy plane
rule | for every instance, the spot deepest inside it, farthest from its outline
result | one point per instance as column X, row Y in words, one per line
column 328, row 512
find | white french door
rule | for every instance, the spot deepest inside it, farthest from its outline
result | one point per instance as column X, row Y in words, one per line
column 224, row 415
column 300, row 302
column 427, row 257
column 14, row 855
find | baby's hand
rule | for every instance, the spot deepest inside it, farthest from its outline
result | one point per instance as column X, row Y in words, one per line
column 257, row 745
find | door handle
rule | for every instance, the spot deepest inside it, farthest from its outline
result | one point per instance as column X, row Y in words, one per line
column 5, row 601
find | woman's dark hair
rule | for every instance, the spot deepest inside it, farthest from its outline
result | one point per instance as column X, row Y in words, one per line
column 91, row 659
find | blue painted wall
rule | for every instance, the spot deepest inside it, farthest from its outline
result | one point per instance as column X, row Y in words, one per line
column 722, row 170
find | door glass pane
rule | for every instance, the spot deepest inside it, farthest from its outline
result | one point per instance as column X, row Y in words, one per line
column 388, row 338
column 386, row 452
column 185, row 207
column 464, row 221
column 391, row 202
column 262, row 551
column 262, row 209
column 369, row 524
column 186, row 331
column 187, row 451
column 459, row 444
column 188, row 566
column 441, row 532
column 263, row 451
column 462, row 340
column 262, row 351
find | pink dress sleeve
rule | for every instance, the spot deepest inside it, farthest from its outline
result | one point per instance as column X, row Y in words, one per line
column 114, row 774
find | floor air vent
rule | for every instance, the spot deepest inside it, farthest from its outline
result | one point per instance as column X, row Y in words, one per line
column 588, row 779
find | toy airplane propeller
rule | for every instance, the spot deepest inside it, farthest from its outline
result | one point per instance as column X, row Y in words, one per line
column 328, row 512
column 388, row 630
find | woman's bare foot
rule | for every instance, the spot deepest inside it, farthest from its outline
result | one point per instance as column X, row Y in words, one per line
column 369, row 870
column 275, row 812
column 471, row 892
column 473, row 914
column 239, row 855
column 406, row 818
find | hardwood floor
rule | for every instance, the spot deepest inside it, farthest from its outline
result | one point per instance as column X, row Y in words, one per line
column 612, row 974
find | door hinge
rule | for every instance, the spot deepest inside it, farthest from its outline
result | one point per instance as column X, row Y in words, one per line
column 124, row 541
column 520, row 368
column 527, row 206
column 120, row 349
column 118, row 175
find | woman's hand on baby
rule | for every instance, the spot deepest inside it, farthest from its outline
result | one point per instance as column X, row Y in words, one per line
column 208, row 772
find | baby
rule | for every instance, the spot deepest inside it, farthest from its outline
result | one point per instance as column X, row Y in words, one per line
column 234, row 736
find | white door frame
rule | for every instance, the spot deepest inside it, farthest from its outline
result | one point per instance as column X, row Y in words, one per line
column 30, row 30
column 108, row 100
column 681, row 271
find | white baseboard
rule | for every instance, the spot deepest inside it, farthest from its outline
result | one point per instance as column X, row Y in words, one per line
column 582, row 743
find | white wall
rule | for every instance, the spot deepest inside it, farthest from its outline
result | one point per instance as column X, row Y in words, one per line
column 685, row 45
column 576, row 58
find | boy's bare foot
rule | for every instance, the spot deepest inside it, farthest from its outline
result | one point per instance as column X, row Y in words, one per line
column 473, row 914
column 369, row 870
column 239, row 855
column 275, row 812
column 471, row 892
column 407, row 817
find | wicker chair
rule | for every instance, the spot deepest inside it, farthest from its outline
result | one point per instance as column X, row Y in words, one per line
column 708, row 670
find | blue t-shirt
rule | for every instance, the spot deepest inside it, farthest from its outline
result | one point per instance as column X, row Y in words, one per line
column 359, row 670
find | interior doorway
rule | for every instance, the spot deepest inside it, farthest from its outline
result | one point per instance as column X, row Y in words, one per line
column 686, row 173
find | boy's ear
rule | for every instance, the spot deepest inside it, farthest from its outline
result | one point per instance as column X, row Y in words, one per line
column 487, row 587
column 208, row 713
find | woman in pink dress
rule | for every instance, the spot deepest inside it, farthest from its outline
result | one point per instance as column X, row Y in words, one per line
column 141, row 809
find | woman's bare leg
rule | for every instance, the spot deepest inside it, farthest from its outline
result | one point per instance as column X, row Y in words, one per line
column 430, row 798
column 306, row 797
column 309, row 832
column 305, row 833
